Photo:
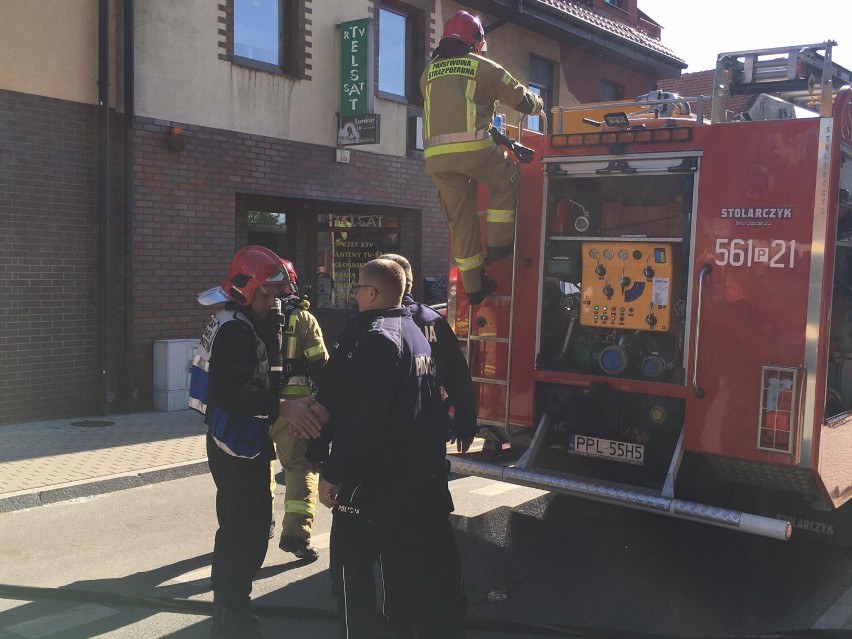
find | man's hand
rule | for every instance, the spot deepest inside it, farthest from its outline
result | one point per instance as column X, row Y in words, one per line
column 305, row 417
column 320, row 411
column 462, row 443
column 328, row 493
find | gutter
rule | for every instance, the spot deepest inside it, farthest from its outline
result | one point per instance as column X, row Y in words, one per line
column 132, row 392
column 103, row 306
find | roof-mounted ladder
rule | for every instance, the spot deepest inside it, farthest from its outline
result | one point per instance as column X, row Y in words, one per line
column 795, row 73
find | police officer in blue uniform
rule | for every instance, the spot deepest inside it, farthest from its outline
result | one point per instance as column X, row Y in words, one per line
column 231, row 387
column 453, row 371
column 386, row 475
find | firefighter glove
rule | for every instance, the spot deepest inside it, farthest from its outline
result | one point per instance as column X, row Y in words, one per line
column 524, row 154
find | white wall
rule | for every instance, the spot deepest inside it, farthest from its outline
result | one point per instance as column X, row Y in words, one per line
column 50, row 48
column 180, row 78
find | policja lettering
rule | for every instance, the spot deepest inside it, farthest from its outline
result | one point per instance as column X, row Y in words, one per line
column 429, row 332
column 424, row 365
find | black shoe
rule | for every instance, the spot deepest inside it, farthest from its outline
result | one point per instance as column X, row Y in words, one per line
column 496, row 253
column 300, row 547
column 487, row 288
column 235, row 623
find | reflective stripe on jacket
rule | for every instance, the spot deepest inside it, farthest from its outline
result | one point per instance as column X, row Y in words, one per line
column 460, row 102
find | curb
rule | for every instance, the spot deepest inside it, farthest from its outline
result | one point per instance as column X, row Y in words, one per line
column 99, row 487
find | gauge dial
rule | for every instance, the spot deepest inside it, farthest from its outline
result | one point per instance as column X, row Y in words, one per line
column 623, row 254
column 608, row 254
column 594, row 254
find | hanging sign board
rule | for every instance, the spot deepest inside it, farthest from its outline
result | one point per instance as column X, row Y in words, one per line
column 356, row 68
column 359, row 129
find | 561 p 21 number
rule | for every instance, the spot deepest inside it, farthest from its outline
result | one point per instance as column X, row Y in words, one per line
column 779, row 254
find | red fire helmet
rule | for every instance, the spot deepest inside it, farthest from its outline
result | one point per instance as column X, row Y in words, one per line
column 252, row 267
column 291, row 271
column 467, row 28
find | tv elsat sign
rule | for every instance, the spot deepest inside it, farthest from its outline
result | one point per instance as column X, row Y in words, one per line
column 357, row 123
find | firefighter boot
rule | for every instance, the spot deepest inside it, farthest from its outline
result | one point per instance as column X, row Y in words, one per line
column 496, row 253
column 235, row 623
column 487, row 288
column 300, row 547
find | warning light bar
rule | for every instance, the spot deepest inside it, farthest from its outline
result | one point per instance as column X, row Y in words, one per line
column 666, row 134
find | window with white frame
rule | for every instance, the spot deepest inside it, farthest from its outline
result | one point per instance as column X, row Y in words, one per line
column 392, row 51
column 257, row 30
column 541, row 83
column 270, row 35
column 401, row 52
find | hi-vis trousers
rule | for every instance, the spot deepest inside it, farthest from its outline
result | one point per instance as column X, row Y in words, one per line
column 457, row 177
column 300, row 494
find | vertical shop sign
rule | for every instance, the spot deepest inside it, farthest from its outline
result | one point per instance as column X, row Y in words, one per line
column 356, row 68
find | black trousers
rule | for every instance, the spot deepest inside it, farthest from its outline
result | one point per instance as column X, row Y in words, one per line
column 244, row 511
column 419, row 565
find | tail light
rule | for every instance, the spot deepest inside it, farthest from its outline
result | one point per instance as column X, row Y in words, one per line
column 779, row 409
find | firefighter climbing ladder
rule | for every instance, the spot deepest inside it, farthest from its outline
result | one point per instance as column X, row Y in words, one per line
column 493, row 302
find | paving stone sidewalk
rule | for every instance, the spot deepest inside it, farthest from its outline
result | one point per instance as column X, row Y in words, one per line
column 48, row 461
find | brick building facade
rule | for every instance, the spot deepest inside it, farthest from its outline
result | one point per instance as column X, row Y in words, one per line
column 211, row 142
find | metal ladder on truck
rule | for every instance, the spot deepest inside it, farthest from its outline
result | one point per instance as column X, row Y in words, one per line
column 488, row 347
column 797, row 74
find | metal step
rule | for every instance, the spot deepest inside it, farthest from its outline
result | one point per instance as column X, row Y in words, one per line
column 624, row 495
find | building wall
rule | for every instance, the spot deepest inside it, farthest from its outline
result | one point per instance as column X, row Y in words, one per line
column 585, row 73
column 186, row 224
column 181, row 78
column 50, row 48
column 248, row 133
column 48, row 257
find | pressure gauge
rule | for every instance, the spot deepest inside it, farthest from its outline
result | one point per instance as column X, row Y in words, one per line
column 623, row 254
column 608, row 254
column 594, row 254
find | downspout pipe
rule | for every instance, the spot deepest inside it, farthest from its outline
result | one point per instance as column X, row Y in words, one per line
column 106, row 395
column 130, row 388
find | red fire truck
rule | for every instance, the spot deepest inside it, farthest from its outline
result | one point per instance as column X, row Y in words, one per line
column 671, row 332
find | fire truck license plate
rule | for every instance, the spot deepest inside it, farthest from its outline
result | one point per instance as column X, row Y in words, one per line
column 624, row 452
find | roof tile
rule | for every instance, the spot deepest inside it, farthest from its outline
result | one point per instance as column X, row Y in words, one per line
column 614, row 27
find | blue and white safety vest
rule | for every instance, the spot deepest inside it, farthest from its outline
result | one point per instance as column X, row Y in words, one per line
column 237, row 435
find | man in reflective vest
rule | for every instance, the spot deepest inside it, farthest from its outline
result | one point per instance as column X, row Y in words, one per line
column 231, row 387
column 461, row 89
column 295, row 365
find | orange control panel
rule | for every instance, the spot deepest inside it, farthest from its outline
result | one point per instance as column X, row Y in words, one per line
column 627, row 285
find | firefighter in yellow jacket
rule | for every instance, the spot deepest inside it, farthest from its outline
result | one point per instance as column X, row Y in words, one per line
column 461, row 89
column 295, row 364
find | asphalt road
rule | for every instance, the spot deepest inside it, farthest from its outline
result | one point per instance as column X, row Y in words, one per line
column 111, row 564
